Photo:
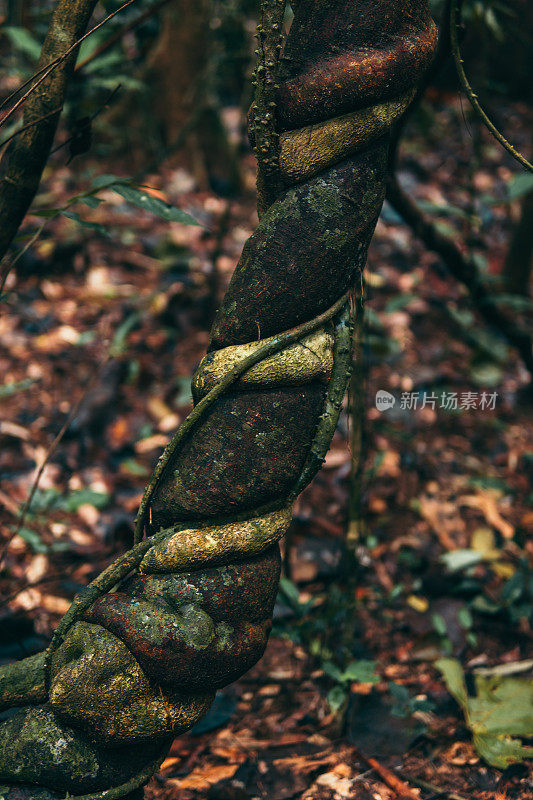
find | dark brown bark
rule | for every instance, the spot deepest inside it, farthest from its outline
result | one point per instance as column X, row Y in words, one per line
column 25, row 157
column 519, row 258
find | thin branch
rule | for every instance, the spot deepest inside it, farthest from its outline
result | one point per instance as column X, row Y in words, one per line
column 400, row 788
column 107, row 45
column 22, row 86
column 455, row 21
column 30, row 125
column 59, row 60
column 49, row 453
column 9, row 265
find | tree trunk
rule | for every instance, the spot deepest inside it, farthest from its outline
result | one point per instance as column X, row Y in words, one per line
column 129, row 669
column 179, row 72
column 25, row 157
column 519, row 259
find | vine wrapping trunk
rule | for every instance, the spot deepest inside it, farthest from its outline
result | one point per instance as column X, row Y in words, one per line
column 129, row 669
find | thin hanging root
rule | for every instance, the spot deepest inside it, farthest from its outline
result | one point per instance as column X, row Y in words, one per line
column 342, row 365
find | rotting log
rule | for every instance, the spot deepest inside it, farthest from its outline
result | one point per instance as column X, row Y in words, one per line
column 129, row 669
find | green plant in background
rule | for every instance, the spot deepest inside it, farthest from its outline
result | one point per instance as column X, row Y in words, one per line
column 362, row 671
column 404, row 705
column 501, row 710
column 48, row 502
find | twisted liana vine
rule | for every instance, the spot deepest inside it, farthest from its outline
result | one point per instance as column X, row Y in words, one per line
column 141, row 652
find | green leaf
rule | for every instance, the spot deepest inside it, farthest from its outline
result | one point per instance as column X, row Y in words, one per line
column 23, row 41
column 72, row 501
column 46, row 212
column 337, row 698
column 91, row 44
column 520, row 185
column 118, row 345
column 490, row 482
column 401, row 697
column 9, row 389
column 134, row 468
column 444, row 210
column 485, row 373
column 52, row 500
column 33, row 539
column 399, row 302
column 513, row 588
column 288, row 588
column 439, row 623
column 184, row 396
column 105, row 180
column 141, row 199
column 464, row 618
column 501, row 709
column 460, row 559
column 94, row 226
column 332, row 671
column 372, row 319
column 92, row 202
column 362, row 671
column 516, row 302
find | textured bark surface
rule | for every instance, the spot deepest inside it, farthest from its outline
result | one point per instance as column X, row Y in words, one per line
column 196, row 614
column 25, row 157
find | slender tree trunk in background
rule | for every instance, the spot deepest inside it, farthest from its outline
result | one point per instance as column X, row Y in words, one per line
column 462, row 268
column 357, row 435
column 519, row 259
column 179, row 76
column 14, row 12
column 25, row 157
column 129, row 669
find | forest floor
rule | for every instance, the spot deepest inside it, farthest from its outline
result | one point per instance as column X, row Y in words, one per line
column 118, row 320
